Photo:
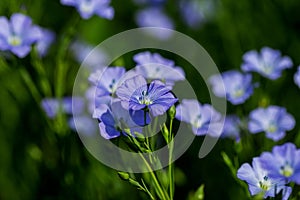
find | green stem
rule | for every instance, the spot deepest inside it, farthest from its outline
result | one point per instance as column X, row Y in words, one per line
column 171, row 166
column 156, row 183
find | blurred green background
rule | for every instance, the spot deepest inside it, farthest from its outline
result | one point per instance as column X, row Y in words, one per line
column 43, row 159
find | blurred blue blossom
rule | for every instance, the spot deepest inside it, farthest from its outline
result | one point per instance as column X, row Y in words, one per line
column 196, row 12
column 135, row 95
column 269, row 63
column 155, row 67
column 114, row 119
column 46, row 39
column 87, row 8
column 52, row 106
column 273, row 120
column 18, row 34
column 297, row 77
column 155, row 17
column 231, row 128
column 259, row 181
column 106, row 79
column 84, row 124
column 238, row 87
column 283, row 162
column 150, row 2
column 203, row 118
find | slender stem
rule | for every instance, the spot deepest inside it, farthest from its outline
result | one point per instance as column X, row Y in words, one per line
column 171, row 167
column 156, row 183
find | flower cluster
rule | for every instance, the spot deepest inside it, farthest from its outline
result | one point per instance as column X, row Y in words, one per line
column 271, row 172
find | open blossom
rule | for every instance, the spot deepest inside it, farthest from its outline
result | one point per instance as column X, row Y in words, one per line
column 273, row 120
column 154, row 66
column 297, row 77
column 88, row 8
column 237, row 87
column 135, row 95
column 260, row 182
column 269, row 63
column 18, row 34
column 106, row 79
column 155, row 17
column 203, row 118
column 283, row 162
column 114, row 119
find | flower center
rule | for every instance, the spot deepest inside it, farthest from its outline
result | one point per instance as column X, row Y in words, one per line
column 86, row 6
column 145, row 99
column 272, row 128
column 112, row 86
column 14, row 40
column 239, row 92
column 265, row 184
column 286, row 170
column 197, row 122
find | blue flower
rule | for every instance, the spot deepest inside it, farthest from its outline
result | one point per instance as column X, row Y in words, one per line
column 135, row 95
column 231, row 127
column 87, row 8
column 150, row 2
column 155, row 17
column 155, row 67
column 297, row 77
column 283, row 162
column 106, row 80
column 259, row 181
column 273, row 120
column 114, row 119
column 47, row 37
column 238, row 87
column 269, row 63
column 18, row 34
column 203, row 118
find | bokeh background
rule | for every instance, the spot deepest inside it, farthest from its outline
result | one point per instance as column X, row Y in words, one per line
column 44, row 159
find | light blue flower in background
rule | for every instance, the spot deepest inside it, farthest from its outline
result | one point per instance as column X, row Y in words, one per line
column 273, row 120
column 155, row 17
column 269, row 63
column 297, row 77
column 88, row 8
column 231, row 128
column 43, row 44
column 18, row 34
column 203, row 118
column 238, row 86
column 155, row 67
column 259, row 181
column 283, row 162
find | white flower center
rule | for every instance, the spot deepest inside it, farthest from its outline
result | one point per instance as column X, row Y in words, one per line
column 286, row 170
column 197, row 122
column 265, row 184
column 14, row 40
column 87, row 6
column 272, row 128
column 239, row 92
column 144, row 98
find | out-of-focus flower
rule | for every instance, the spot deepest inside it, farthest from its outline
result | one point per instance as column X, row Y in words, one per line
column 52, row 106
column 155, row 67
column 269, row 63
column 155, row 17
column 150, row 2
column 91, row 56
column 196, row 12
column 283, row 162
column 238, row 87
column 113, row 120
column 135, row 95
column 85, row 124
column 18, row 34
column 88, row 8
column 46, row 39
column 259, row 181
column 273, row 120
column 106, row 80
column 203, row 118
column 231, row 128
column 297, row 77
